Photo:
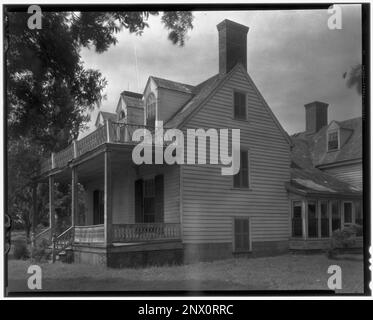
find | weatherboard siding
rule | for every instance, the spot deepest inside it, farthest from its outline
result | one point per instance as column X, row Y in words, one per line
column 169, row 102
column 209, row 201
column 352, row 173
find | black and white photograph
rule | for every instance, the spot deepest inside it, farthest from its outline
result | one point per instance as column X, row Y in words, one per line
column 154, row 149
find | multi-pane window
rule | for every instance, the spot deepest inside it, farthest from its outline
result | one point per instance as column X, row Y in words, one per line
column 297, row 219
column 333, row 143
column 150, row 110
column 312, row 220
column 239, row 106
column 347, row 212
column 358, row 213
column 241, row 234
column 241, row 179
column 324, row 216
column 336, row 215
column 359, row 216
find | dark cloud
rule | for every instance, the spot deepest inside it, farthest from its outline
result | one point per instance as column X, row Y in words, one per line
column 293, row 58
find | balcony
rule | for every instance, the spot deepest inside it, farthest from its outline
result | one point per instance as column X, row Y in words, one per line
column 110, row 132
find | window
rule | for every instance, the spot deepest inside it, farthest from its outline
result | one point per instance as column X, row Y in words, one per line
column 336, row 216
column 297, row 219
column 150, row 110
column 324, row 216
column 358, row 213
column 122, row 115
column 241, row 179
column 313, row 224
column 347, row 212
column 333, row 143
column 359, row 217
column 241, row 235
column 239, row 105
column 149, row 200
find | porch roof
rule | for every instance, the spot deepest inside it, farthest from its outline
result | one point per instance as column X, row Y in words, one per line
column 314, row 182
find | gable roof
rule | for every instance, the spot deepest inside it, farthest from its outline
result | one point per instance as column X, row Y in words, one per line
column 201, row 92
column 173, row 85
column 132, row 99
column 105, row 116
column 311, row 150
column 205, row 90
column 316, row 182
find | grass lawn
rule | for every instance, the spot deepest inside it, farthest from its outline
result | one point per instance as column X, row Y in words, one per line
column 285, row 272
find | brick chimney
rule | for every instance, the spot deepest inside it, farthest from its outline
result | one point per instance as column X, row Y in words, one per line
column 232, row 45
column 316, row 116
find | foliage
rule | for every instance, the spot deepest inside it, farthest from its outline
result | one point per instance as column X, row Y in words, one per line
column 41, row 251
column 355, row 78
column 343, row 238
column 20, row 250
column 49, row 91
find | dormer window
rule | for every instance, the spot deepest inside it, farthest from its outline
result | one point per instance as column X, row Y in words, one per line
column 150, row 110
column 333, row 140
column 122, row 115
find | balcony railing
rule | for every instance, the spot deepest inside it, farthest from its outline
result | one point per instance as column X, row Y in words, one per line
column 145, row 232
column 137, row 232
column 110, row 132
column 90, row 234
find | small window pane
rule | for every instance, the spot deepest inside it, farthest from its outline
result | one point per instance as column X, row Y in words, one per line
column 336, row 216
column 333, row 140
column 297, row 219
column 312, row 220
column 324, row 219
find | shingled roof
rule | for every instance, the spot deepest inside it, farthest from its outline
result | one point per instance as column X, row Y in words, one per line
column 132, row 99
column 311, row 150
column 173, row 85
column 314, row 182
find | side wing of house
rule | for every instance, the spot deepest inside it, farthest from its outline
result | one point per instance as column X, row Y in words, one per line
column 211, row 205
column 351, row 173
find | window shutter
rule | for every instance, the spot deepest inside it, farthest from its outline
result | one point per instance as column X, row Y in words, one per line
column 159, row 198
column 138, row 201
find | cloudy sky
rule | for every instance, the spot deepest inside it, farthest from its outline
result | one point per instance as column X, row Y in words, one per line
column 293, row 57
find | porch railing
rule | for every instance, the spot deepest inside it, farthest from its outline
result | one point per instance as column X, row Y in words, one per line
column 89, row 234
column 145, row 232
column 111, row 132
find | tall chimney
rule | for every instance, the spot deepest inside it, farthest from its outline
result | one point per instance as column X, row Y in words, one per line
column 232, row 45
column 316, row 116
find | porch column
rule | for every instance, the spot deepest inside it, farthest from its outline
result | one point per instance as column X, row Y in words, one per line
column 108, row 217
column 51, row 206
column 74, row 196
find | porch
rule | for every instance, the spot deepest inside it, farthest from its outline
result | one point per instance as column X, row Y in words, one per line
column 125, row 205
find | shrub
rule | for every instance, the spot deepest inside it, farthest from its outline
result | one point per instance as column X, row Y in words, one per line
column 41, row 251
column 20, row 250
column 343, row 238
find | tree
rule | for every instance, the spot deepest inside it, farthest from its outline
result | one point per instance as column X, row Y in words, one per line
column 48, row 89
column 355, row 78
column 49, row 92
